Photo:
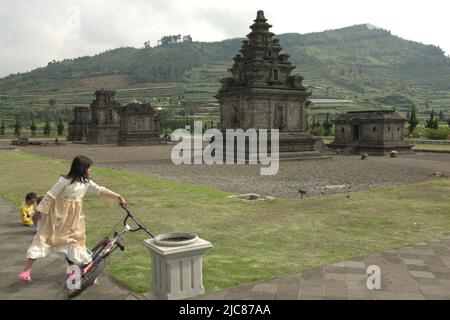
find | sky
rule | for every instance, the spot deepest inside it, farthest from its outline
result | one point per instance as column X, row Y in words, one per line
column 34, row 32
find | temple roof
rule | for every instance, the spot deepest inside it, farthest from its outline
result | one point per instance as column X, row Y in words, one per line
column 260, row 63
column 370, row 115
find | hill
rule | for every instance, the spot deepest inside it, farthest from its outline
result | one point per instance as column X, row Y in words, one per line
column 358, row 58
column 361, row 63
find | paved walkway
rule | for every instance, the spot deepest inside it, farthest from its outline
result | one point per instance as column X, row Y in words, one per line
column 49, row 279
column 416, row 272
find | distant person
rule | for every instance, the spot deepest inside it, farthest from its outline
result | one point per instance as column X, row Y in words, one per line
column 26, row 209
column 62, row 226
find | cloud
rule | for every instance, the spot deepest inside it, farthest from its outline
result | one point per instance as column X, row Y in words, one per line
column 32, row 33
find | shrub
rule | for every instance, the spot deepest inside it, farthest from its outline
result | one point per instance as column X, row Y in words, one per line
column 420, row 133
column 438, row 134
column 318, row 132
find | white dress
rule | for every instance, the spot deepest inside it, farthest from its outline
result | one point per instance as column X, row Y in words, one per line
column 62, row 227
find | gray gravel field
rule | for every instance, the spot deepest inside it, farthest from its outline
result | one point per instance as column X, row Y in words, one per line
column 318, row 177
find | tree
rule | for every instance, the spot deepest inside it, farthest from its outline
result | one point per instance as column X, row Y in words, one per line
column 413, row 122
column 17, row 128
column 313, row 123
column 60, row 127
column 317, row 125
column 3, row 128
column 432, row 123
column 147, row 44
column 441, row 115
column 448, row 121
column 47, row 128
column 33, row 128
column 187, row 38
column 52, row 102
column 327, row 125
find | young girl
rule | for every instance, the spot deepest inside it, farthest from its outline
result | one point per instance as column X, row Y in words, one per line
column 26, row 209
column 62, row 227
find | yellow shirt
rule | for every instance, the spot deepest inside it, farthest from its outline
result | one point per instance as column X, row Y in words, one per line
column 26, row 212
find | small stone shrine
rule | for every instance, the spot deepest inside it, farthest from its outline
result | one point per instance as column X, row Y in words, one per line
column 371, row 132
column 139, row 125
column 105, row 121
column 78, row 127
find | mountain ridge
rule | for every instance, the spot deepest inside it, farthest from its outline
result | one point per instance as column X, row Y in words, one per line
column 357, row 59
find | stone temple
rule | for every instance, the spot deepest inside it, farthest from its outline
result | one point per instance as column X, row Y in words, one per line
column 139, row 125
column 78, row 127
column 106, row 121
column 262, row 94
column 372, row 132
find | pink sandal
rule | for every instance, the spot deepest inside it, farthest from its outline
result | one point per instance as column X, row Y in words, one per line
column 25, row 276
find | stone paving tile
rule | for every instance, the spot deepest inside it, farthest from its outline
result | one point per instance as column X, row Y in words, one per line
column 445, row 284
column 434, row 290
column 335, row 276
column 287, row 292
column 427, row 282
column 48, row 274
column 422, row 274
column 336, row 293
column 414, row 262
column 312, row 291
column 265, row 288
column 416, row 272
column 311, row 298
column 355, row 265
column 357, row 285
column 418, row 268
column 338, row 284
column 356, row 277
column 360, row 294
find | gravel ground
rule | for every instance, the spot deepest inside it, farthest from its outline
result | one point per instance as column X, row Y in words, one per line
column 317, row 177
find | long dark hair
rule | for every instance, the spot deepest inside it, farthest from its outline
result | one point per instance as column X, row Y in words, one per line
column 79, row 169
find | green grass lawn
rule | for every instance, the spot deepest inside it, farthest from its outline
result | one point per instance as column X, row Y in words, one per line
column 252, row 241
column 432, row 147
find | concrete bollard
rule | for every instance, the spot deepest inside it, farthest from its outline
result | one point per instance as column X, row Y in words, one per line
column 177, row 271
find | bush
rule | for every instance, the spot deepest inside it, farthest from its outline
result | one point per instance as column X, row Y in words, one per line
column 318, row 132
column 420, row 133
column 438, row 134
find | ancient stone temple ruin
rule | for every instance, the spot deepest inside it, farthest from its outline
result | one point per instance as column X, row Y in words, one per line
column 78, row 127
column 105, row 122
column 139, row 125
column 372, row 132
column 262, row 94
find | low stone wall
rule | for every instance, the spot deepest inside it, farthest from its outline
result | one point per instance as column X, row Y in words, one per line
column 431, row 151
column 435, row 142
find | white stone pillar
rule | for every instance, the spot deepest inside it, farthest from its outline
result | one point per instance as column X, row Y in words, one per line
column 177, row 271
